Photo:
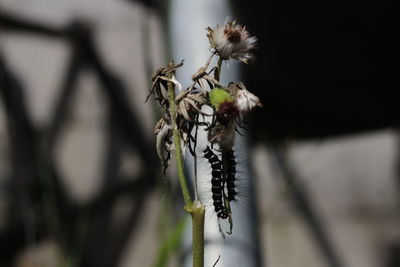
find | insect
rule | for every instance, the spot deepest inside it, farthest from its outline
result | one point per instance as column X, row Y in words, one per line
column 217, row 186
column 231, row 175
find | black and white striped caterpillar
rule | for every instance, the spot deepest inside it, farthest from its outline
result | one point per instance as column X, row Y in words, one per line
column 222, row 180
column 231, row 174
column 216, row 183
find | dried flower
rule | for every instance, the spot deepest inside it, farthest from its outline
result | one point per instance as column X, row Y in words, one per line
column 160, row 79
column 245, row 100
column 232, row 41
column 164, row 144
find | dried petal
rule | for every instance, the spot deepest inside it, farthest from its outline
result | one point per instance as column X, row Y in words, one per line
column 163, row 145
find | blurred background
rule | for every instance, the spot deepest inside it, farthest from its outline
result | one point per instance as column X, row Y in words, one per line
column 80, row 182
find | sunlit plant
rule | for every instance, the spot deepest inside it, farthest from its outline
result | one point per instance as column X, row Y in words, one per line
column 190, row 109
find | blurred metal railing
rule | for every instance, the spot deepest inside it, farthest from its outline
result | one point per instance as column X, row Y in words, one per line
column 35, row 182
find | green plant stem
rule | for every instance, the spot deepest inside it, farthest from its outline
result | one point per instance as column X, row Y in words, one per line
column 196, row 209
column 178, row 150
column 198, row 213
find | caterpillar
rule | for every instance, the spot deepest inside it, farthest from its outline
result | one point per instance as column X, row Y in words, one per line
column 231, row 174
column 216, row 183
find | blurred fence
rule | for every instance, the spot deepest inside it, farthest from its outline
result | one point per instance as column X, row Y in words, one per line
column 38, row 205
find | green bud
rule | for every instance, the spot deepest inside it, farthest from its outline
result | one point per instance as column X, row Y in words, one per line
column 219, row 96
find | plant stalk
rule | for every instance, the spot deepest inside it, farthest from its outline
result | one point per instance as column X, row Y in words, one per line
column 198, row 213
column 178, row 150
column 195, row 209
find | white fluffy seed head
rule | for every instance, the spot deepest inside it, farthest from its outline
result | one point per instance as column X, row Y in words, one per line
column 232, row 41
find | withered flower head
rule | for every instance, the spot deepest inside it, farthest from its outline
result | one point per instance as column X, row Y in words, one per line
column 232, row 41
column 245, row 100
column 227, row 110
